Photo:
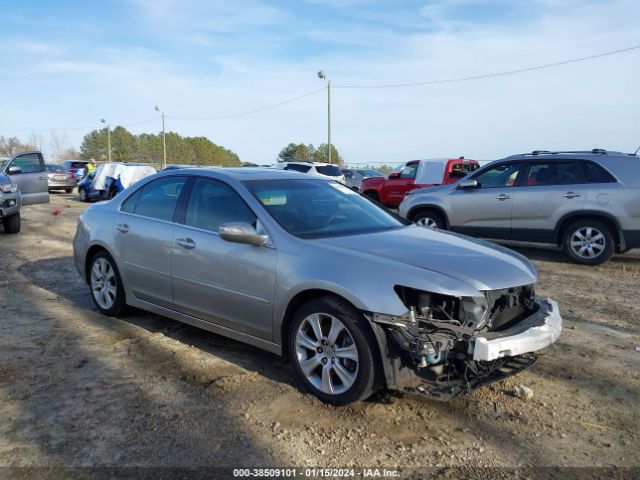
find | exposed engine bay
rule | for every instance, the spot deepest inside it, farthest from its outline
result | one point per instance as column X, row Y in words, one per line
column 431, row 347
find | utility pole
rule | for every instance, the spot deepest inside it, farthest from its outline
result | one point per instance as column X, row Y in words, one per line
column 108, row 140
column 322, row 76
column 164, row 141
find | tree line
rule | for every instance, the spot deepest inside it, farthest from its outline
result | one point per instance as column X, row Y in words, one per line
column 308, row 153
column 147, row 148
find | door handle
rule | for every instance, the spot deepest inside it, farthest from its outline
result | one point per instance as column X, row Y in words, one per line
column 186, row 243
column 122, row 227
column 571, row 195
column 503, row 197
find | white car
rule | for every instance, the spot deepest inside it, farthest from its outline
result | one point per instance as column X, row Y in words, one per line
column 326, row 170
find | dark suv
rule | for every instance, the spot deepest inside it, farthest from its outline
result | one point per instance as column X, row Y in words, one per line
column 586, row 201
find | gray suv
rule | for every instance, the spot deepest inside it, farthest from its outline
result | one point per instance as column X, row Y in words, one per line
column 23, row 181
column 586, row 201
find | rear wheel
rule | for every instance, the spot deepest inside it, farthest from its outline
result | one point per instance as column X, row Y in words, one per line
column 332, row 351
column 68, row 190
column 590, row 242
column 106, row 287
column 12, row 224
column 429, row 219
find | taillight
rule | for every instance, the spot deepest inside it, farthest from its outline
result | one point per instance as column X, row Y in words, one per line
column 72, row 175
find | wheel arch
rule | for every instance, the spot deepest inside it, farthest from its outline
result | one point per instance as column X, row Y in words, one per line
column 374, row 330
column 604, row 217
column 91, row 252
column 426, row 207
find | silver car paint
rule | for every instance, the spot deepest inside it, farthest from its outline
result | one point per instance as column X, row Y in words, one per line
column 363, row 269
column 33, row 186
column 540, row 207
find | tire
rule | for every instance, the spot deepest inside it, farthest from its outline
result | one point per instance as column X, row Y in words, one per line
column 105, row 285
column 590, row 242
column 429, row 219
column 372, row 196
column 82, row 195
column 351, row 376
column 12, row 224
column 68, row 190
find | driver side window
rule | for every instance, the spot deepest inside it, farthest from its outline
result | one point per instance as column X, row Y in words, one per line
column 500, row 176
column 409, row 171
column 213, row 203
column 28, row 163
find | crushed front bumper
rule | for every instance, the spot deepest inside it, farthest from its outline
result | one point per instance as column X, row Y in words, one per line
column 535, row 338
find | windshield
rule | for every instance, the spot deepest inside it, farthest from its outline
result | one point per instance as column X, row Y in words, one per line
column 370, row 173
column 329, row 170
column 313, row 209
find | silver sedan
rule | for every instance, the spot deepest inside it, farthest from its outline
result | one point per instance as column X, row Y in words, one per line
column 305, row 267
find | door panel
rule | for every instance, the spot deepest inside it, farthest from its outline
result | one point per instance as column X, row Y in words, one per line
column 33, row 182
column 550, row 190
column 486, row 210
column 143, row 246
column 231, row 284
column 143, row 234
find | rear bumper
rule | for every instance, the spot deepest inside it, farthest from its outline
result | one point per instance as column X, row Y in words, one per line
column 531, row 340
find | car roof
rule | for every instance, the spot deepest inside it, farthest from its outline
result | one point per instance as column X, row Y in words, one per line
column 243, row 173
column 596, row 153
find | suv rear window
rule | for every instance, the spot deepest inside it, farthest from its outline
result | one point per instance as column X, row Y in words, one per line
column 298, row 168
column 594, row 173
column 55, row 168
column 329, row 170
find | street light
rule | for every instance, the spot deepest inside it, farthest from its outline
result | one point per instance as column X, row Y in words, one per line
column 322, row 76
column 108, row 140
column 164, row 140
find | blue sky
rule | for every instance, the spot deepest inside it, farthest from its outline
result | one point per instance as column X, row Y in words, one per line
column 69, row 63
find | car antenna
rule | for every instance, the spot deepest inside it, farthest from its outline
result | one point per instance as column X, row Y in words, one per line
column 636, row 152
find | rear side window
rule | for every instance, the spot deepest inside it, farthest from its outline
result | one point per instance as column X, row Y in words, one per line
column 157, row 199
column 553, row 173
column 298, row 168
column 329, row 170
column 594, row 173
column 213, row 203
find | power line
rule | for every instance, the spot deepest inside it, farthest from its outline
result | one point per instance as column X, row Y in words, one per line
column 255, row 110
column 490, row 75
column 92, row 127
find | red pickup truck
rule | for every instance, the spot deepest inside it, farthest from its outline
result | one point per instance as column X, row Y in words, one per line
column 416, row 174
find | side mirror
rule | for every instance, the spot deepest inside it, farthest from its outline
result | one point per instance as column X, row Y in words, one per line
column 394, row 175
column 468, row 184
column 241, row 232
column 14, row 170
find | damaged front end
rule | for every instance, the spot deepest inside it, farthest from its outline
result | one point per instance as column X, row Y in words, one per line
column 445, row 345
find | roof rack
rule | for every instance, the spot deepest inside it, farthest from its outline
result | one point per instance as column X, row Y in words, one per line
column 595, row 151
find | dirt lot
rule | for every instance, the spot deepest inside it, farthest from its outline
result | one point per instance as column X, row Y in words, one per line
column 79, row 389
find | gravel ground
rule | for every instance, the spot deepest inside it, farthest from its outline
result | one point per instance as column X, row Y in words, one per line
column 81, row 390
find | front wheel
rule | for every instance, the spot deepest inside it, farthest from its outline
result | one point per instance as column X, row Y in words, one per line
column 332, row 351
column 12, row 224
column 589, row 242
column 106, row 287
column 82, row 195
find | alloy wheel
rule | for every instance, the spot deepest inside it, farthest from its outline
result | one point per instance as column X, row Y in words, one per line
column 103, row 283
column 327, row 353
column 427, row 222
column 588, row 242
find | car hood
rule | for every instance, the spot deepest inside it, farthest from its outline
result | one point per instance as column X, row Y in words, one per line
column 481, row 264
